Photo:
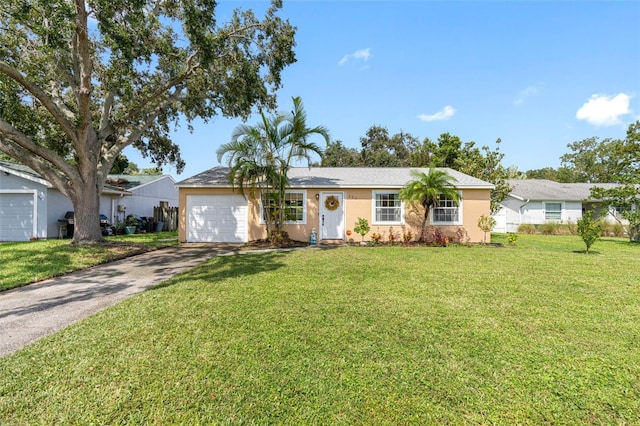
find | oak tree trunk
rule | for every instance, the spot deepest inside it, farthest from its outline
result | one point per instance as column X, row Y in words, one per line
column 86, row 204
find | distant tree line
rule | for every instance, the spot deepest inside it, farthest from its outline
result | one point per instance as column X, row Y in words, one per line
column 590, row 161
column 380, row 149
column 597, row 161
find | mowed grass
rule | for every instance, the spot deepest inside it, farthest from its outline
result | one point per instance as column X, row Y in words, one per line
column 26, row 262
column 532, row 334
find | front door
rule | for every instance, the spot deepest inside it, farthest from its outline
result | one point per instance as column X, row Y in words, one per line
column 332, row 216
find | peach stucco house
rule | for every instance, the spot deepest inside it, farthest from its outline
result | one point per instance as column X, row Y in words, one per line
column 325, row 199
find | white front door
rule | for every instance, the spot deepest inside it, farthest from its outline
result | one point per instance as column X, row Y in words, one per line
column 332, row 216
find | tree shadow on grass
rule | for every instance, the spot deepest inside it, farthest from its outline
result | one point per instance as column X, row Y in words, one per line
column 230, row 266
column 591, row 252
column 621, row 241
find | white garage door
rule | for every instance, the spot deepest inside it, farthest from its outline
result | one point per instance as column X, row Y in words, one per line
column 217, row 219
column 16, row 217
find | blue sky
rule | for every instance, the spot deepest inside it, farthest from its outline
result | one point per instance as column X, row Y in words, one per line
column 538, row 74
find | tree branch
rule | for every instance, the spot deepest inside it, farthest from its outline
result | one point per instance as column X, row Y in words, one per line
column 59, row 114
column 54, row 177
column 190, row 68
column 84, row 56
column 12, row 141
column 105, row 123
column 137, row 131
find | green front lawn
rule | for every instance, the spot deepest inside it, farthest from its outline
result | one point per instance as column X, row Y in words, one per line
column 24, row 263
column 531, row 334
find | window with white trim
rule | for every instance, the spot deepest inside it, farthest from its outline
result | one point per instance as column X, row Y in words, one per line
column 387, row 208
column 553, row 211
column 446, row 212
column 295, row 206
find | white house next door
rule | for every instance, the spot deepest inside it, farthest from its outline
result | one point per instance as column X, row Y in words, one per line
column 332, row 216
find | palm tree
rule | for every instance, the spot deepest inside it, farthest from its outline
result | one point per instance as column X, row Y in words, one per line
column 426, row 189
column 293, row 144
column 260, row 156
column 249, row 169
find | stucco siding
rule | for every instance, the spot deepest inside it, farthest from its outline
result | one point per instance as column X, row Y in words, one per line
column 356, row 203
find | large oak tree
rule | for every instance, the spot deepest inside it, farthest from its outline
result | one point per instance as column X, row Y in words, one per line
column 81, row 80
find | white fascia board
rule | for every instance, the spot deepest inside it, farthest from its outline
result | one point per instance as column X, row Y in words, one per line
column 26, row 176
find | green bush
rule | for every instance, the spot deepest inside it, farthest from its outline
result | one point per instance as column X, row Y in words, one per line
column 486, row 225
column 589, row 229
column 362, row 227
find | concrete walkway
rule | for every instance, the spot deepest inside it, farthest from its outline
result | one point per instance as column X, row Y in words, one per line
column 37, row 310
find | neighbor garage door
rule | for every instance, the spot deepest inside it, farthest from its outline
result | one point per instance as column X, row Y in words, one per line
column 16, row 216
column 217, row 219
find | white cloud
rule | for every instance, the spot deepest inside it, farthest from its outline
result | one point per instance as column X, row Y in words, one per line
column 446, row 113
column 362, row 54
column 603, row 110
column 526, row 93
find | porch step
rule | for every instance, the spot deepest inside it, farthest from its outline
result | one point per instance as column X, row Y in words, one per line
column 332, row 242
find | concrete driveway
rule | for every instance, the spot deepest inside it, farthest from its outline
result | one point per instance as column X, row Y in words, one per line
column 37, row 310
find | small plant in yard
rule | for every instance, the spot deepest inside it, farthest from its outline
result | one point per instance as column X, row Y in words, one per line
column 375, row 238
column 407, row 236
column 132, row 220
column 362, row 227
column 512, row 238
column 589, row 229
column 486, row 225
column 434, row 236
column 461, row 236
column 392, row 236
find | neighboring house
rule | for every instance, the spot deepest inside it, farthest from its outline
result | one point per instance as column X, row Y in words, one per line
column 30, row 207
column 539, row 201
column 147, row 191
column 327, row 200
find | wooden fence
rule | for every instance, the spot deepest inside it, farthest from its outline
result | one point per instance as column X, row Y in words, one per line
column 167, row 215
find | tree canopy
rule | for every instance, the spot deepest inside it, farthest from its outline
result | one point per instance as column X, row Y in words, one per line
column 595, row 160
column 624, row 200
column 379, row 149
column 82, row 80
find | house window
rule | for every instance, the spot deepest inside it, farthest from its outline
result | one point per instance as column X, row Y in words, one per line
column 295, row 206
column 553, row 211
column 446, row 212
column 387, row 208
